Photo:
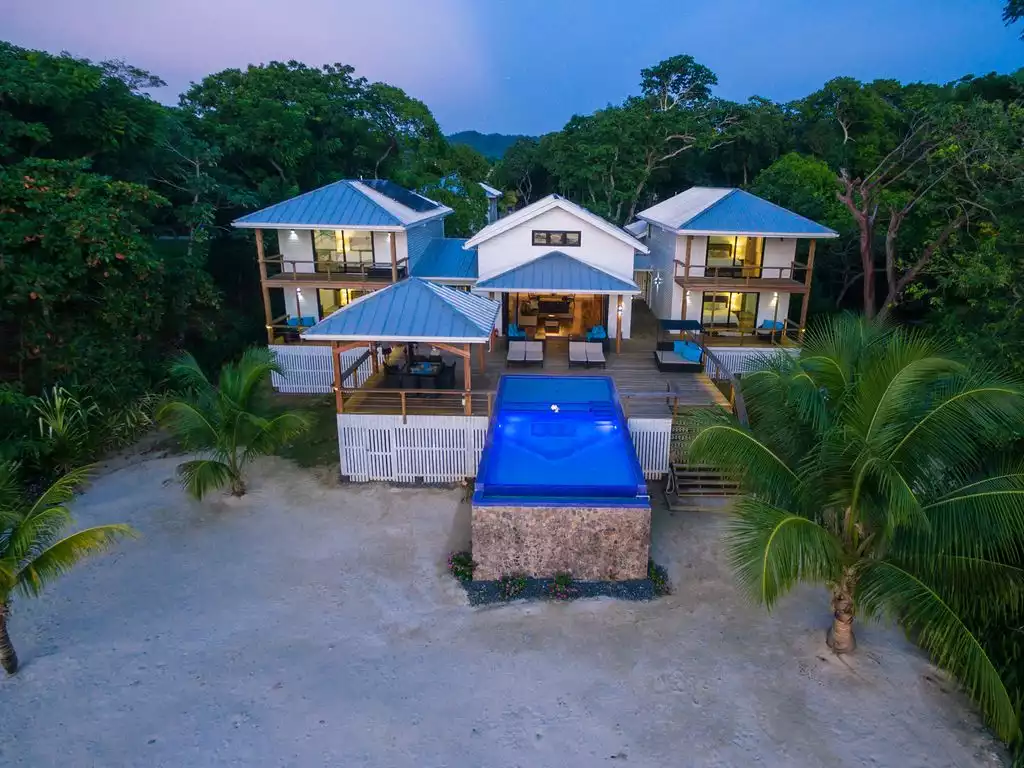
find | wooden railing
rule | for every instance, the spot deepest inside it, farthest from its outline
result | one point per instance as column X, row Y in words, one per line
column 789, row 335
column 310, row 269
column 416, row 402
column 738, row 275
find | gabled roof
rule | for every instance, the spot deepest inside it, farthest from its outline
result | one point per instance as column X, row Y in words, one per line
column 558, row 272
column 637, row 229
column 411, row 310
column 490, row 191
column 544, row 205
column 375, row 204
column 445, row 258
column 725, row 211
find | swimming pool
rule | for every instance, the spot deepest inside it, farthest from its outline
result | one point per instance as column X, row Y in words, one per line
column 559, row 441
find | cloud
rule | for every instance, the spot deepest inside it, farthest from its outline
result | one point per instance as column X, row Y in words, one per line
column 430, row 49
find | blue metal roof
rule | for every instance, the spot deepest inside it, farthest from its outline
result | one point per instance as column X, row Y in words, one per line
column 557, row 271
column 642, row 262
column 411, row 310
column 444, row 257
column 744, row 213
column 336, row 205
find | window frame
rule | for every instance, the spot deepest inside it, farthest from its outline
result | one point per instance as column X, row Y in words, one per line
column 563, row 233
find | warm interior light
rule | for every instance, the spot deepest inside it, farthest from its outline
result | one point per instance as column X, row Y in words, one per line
column 293, row 235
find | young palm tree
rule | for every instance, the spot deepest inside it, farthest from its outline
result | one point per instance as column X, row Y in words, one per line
column 873, row 463
column 32, row 554
column 226, row 424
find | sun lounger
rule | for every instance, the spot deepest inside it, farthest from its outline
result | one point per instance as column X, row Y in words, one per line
column 534, row 353
column 577, row 353
column 516, row 353
column 595, row 354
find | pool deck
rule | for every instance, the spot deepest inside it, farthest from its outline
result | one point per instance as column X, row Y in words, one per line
column 645, row 392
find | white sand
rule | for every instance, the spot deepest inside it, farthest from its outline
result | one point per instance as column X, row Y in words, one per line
column 313, row 625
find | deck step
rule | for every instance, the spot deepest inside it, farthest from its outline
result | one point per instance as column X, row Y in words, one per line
column 696, row 487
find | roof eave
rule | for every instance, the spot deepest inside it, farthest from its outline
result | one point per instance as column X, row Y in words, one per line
column 743, row 233
column 482, row 339
column 354, row 227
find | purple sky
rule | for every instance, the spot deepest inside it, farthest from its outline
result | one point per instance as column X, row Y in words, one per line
column 525, row 66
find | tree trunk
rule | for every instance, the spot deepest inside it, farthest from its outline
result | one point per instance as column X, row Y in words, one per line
column 840, row 635
column 237, row 485
column 8, row 658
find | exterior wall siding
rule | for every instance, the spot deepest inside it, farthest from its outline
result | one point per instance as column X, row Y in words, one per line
column 515, row 247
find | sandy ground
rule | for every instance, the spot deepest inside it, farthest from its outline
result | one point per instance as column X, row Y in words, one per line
column 311, row 625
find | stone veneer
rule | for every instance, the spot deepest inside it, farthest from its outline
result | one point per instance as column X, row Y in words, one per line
column 592, row 543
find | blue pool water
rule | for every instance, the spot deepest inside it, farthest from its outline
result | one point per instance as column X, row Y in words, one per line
column 559, row 440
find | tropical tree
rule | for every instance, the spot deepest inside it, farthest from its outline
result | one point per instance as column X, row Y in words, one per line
column 872, row 464
column 228, row 425
column 33, row 552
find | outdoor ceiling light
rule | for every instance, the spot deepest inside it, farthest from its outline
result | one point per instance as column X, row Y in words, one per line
column 293, row 235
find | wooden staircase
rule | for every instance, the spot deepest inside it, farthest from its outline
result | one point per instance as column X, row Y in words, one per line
column 695, row 487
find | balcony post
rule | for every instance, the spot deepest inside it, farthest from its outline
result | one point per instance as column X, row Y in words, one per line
column 336, row 362
column 618, row 323
column 261, row 259
column 467, row 379
column 807, row 291
column 393, row 240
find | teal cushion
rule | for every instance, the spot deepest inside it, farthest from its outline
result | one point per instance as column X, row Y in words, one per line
column 691, row 352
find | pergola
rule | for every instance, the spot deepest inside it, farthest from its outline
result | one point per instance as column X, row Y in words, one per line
column 413, row 311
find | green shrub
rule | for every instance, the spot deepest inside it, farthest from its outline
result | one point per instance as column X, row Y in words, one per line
column 511, row 585
column 561, row 587
column 461, row 565
column 658, row 577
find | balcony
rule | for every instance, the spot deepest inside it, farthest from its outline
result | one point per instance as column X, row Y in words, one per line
column 278, row 271
column 698, row 277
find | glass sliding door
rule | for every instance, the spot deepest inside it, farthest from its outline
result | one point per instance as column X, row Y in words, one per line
column 729, row 311
column 333, row 299
column 734, row 256
column 337, row 250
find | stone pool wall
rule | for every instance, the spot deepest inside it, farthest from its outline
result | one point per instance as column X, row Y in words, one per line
column 592, row 543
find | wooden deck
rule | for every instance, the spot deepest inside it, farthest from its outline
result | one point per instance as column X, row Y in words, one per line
column 645, row 391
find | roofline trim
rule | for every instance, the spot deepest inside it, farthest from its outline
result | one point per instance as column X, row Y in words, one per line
column 558, row 291
column 400, row 339
column 238, row 224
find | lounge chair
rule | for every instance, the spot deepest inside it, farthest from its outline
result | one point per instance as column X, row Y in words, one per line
column 679, row 357
column 516, row 353
column 577, row 354
column 534, row 353
column 595, row 354
column 769, row 329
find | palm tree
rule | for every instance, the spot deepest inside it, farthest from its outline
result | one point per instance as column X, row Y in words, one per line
column 32, row 554
column 227, row 424
column 872, row 464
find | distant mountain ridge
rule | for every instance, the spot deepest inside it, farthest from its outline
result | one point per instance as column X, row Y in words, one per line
column 490, row 145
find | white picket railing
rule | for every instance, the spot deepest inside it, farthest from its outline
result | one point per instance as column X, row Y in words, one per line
column 652, row 439
column 447, row 449
column 308, row 369
column 739, row 359
column 431, row 449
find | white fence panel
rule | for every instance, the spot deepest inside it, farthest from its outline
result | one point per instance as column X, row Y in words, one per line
column 652, row 439
column 739, row 359
column 308, row 369
column 431, row 449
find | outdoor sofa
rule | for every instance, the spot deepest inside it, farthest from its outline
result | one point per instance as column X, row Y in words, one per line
column 679, row 357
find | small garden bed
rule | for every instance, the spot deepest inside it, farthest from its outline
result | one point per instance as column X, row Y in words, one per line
column 561, row 587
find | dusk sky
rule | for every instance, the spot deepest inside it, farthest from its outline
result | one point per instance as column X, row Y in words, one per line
column 525, row 66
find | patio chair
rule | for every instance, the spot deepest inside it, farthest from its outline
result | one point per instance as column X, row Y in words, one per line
column 770, row 329
column 515, row 332
column 595, row 354
column 516, row 353
column 534, row 353
column 577, row 354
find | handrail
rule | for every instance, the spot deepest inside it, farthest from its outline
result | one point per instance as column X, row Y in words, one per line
column 739, row 403
column 737, row 272
column 329, row 269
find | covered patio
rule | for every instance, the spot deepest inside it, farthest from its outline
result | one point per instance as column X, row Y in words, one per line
column 416, row 334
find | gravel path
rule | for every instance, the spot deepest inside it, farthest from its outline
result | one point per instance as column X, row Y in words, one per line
column 310, row 625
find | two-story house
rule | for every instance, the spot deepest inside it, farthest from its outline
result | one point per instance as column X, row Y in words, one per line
column 320, row 250
column 732, row 261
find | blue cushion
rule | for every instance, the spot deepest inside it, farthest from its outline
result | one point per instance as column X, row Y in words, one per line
column 768, row 325
column 597, row 333
column 293, row 321
column 687, row 350
column 307, row 320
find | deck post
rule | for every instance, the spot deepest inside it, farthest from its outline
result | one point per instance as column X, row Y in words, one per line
column 393, row 241
column 686, row 275
column 261, row 260
column 336, row 360
column 807, row 290
column 480, row 357
column 618, row 324
column 467, row 379
column 401, row 396
column 374, row 365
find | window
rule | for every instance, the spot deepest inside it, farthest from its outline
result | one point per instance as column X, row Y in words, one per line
column 734, row 256
column 337, row 250
column 557, row 237
column 729, row 311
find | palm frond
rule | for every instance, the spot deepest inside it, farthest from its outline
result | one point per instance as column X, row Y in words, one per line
column 273, row 433
column 985, row 587
column 10, row 486
column 201, row 476
column 771, row 549
column 239, row 381
column 736, row 452
column 62, row 490
column 194, row 428
column 62, row 556
column 982, row 517
column 185, row 371
column 884, row 588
